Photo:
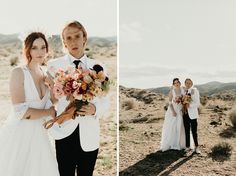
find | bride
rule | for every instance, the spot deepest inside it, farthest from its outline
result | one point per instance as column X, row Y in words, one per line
column 173, row 135
column 25, row 149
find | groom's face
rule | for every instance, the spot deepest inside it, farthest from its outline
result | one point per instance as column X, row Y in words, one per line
column 188, row 84
column 74, row 41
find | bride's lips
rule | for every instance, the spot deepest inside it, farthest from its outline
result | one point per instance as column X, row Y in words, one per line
column 75, row 48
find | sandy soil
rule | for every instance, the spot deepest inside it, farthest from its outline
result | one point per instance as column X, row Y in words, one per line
column 141, row 120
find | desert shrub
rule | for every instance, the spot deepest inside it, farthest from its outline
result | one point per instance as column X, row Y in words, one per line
column 221, row 151
column 203, row 100
column 232, row 117
column 123, row 127
column 200, row 108
column 166, row 106
column 14, row 60
column 128, row 104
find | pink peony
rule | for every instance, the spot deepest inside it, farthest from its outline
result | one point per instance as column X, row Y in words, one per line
column 75, row 85
column 58, row 90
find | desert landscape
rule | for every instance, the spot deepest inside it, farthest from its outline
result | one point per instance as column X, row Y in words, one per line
column 141, row 116
column 104, row 50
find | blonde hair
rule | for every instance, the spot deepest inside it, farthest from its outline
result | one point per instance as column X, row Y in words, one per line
column 77, row 25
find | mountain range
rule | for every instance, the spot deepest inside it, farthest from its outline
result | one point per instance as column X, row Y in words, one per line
column 92, row 41
column 207, row 89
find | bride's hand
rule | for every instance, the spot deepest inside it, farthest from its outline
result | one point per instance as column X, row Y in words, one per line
column 66, row 115
column 174, row 114
column 52, row 112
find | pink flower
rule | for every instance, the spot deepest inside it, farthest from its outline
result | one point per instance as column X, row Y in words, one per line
column 75, row 85
column 67, row 91
column 75, row 76
column 77, row 95
column 58, row 90
column 87, row 79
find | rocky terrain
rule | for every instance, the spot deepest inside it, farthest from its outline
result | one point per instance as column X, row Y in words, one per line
column 141, row 118
column 101, row 49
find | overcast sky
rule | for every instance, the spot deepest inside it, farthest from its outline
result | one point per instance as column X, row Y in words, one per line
column 98, row 16
column 163, row 39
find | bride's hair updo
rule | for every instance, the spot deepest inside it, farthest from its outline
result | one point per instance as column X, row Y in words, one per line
column 28, row 43
column 175, row 79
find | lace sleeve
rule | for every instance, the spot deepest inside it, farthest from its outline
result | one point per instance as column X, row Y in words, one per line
column 20, row 109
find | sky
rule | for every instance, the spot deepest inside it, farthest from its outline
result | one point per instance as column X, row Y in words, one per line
column 164, row 39
column 98, row 16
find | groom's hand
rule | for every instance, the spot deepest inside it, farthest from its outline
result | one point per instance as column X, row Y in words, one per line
column 66, row 115
column 88, row 109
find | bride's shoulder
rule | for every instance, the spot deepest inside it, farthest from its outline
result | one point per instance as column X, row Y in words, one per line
column 17, row 73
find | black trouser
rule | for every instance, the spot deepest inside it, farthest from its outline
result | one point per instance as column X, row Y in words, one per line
column 70, row 156
column 187, row 124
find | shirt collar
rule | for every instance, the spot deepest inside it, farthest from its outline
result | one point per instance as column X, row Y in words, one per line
column 72, row 58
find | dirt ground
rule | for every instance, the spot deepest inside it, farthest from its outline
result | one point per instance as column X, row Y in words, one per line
column 141, row 120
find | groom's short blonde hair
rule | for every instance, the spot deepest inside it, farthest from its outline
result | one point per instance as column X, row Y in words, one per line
column 188, row 79
column 77, row 25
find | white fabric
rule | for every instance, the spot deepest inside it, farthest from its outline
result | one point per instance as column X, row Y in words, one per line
column 20, row 109
column 173, row 133
column 25, row 147
column 194, row 104
column 88, row 125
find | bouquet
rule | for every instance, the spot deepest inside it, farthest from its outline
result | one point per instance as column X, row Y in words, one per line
column 186, row 100
column 80, row 86
column 178, row 99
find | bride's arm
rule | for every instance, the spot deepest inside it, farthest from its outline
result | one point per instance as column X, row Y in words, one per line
column 170, row 103
column 18, row 98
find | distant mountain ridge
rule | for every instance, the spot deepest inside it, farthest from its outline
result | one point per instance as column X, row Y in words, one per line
column 5, row 39
column 207, row 89
column 92, row 41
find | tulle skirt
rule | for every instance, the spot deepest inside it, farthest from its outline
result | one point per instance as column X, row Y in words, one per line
column 173, row 133
column 25, row 149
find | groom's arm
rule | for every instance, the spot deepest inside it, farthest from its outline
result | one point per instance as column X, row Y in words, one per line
column 102, row 106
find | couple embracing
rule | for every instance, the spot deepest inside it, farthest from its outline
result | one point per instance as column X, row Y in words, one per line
column 25, row 146
column 181, row 117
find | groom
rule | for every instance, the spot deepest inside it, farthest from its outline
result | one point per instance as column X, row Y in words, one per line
column 190, row 117
column 77, row 141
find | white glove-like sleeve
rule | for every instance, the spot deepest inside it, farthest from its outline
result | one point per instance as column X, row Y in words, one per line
column 20, row 109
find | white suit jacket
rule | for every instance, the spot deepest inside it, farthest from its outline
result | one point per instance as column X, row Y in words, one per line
column 88, row 125
column 194, row 104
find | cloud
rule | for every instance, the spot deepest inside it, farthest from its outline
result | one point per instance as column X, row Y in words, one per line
column 132, row 32
column 147, row 76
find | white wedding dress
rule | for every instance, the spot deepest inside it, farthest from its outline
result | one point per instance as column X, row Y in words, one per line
column 173, row 133
column 25, row 149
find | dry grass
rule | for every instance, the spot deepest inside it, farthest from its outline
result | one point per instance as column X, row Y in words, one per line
column 203, row 100
column 232, row 117
column 14, row 60
column 129, row 104
column 221, row 151
column 139, row 145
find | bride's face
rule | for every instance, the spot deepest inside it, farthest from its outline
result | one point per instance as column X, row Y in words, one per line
column 176, row 84
column 38, row 51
